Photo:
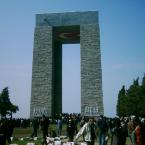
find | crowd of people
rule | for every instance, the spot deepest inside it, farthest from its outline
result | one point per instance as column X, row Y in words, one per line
column 90, row 129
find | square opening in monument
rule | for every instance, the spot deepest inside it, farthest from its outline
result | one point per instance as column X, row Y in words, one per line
column 71, row 78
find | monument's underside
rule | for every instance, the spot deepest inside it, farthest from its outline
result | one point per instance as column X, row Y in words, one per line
column 52, row 30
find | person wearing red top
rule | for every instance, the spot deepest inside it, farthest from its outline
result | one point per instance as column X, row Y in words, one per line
column 137, row 131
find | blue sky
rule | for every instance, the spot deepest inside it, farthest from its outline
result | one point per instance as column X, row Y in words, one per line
column 122, row 35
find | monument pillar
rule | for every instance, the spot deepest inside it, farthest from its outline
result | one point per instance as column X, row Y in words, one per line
column 41, row 93
column 91, row 73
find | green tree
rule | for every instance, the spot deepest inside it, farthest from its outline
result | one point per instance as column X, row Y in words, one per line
column 143, row 80
column 142, row 98
column 133, row 98
column 6, row 107
column 132, row 101
column 121, row 104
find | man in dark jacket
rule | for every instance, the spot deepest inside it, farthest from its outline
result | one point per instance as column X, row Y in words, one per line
column 35, row 125
column 103, row 127
column 44, row 122
column 3, row 131
column 70, row 128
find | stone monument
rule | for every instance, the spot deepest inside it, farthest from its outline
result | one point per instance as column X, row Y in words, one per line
column 52, row 30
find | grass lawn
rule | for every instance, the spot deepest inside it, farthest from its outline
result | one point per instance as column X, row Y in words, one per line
column 24, row 133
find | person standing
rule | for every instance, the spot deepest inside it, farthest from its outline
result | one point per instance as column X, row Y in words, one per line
column 143, row 131
column 130, row 127
column 3, row 132
column 136, row 134
column 103, row 128
column 70, row 128
column 44, row 122
column 59, row 126
column 118, row 135
column 89, row 132
column 10, row 129
column 35, row 125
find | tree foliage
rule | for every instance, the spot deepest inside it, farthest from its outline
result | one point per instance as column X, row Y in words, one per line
column 6, row 107
column 132, row 101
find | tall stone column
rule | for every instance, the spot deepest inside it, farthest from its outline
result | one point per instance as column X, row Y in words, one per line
column 41, row 96
column 91, row 73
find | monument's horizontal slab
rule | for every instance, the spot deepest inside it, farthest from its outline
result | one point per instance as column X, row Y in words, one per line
column 68, row 18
